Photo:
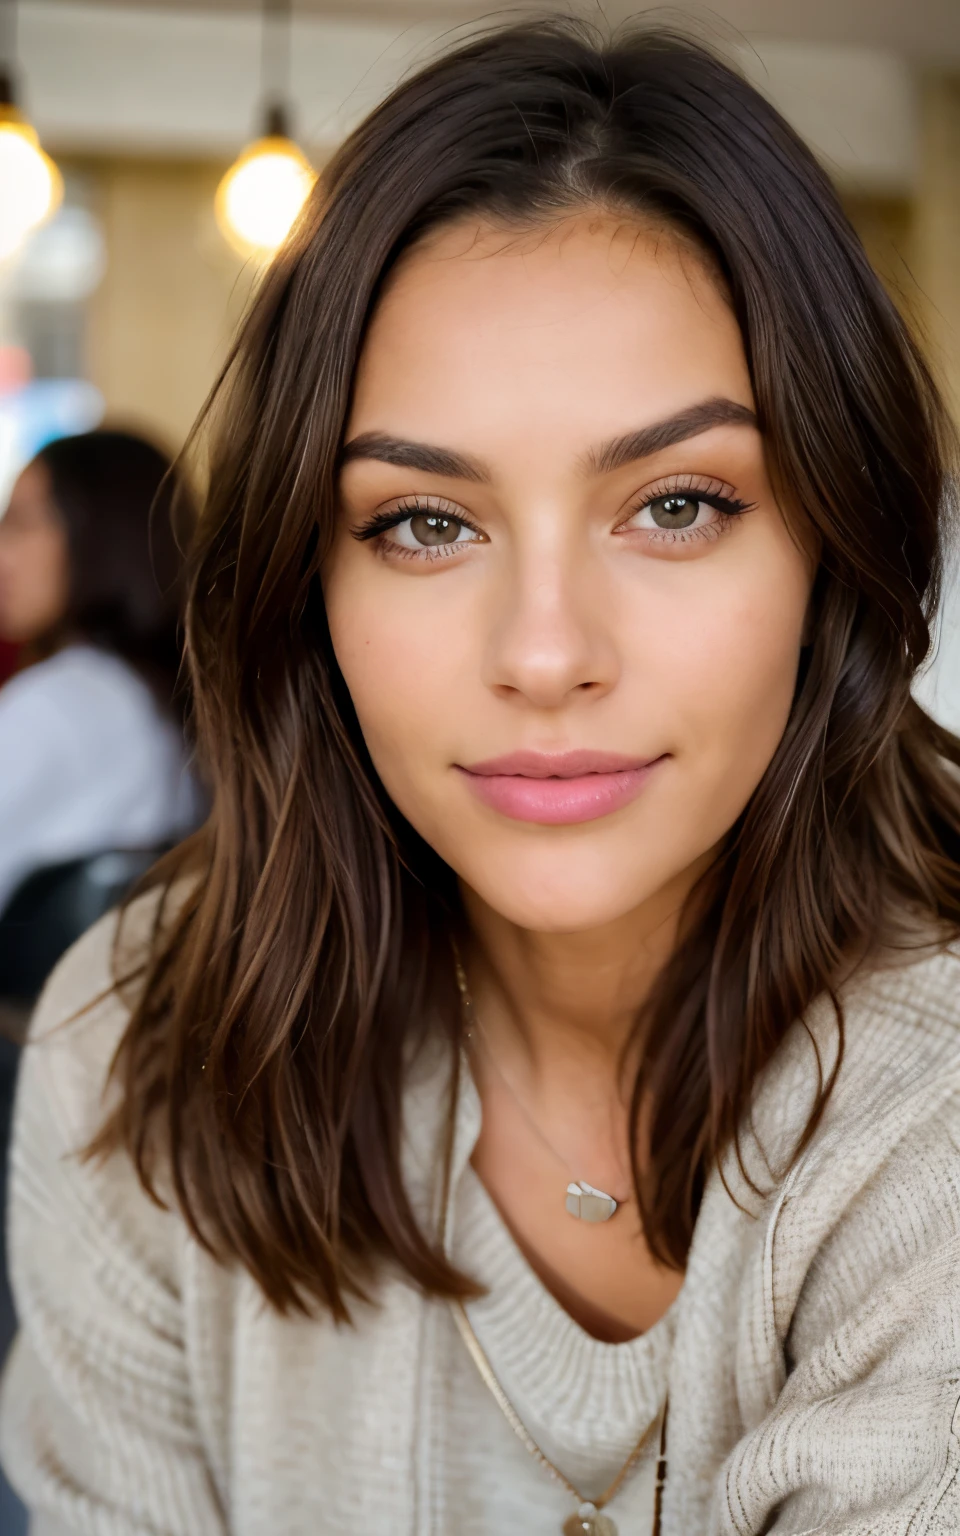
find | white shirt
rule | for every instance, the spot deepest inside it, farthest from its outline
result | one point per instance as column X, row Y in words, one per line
column 88, row 762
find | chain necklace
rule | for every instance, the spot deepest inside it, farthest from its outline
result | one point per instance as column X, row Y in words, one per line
column 583, row 1201
column 588, row 1519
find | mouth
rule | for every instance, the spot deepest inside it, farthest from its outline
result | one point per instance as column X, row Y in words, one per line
column 558, row 789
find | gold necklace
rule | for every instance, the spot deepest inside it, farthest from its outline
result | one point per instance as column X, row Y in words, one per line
column 583, row 1201
column 589, row 1519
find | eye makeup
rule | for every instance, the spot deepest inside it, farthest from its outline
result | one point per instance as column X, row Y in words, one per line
column 671, row 511
column 675, row 510
column 434, row 507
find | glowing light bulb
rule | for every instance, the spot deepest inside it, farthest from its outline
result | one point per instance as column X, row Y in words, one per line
column 30, row 184
column 261, row 195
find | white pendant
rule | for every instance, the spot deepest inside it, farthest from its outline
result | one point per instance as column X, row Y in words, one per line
column 589, row 1204
column 588, row 1521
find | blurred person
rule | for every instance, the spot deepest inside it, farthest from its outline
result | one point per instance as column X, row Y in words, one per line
column 545, row 1063
column 91, row 748
column 9, row 656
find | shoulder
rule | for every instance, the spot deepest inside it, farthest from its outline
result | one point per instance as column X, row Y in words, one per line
column 918, row 988
column 99, row 1415
column 901, row 1031
column 890, row 1037
column 889, row 1132
column 65, row 1091
column 900, row 1071
column 882, row 1168
column 82, row 1015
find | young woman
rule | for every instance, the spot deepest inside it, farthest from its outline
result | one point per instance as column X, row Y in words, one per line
column 533, row 1101
column 91, row 756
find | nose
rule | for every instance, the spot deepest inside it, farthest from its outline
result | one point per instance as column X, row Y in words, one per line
column 549, row 641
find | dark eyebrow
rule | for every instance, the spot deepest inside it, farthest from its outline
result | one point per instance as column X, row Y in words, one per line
column 406, row 454
column 690, row 422
column 410, row 455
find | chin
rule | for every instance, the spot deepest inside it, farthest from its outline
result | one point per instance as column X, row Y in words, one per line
column 563, row 891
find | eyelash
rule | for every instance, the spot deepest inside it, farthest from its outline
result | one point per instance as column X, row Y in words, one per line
column 712, row 492
column 381, row 523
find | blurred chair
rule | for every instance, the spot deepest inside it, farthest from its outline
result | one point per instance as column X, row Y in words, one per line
column 52, row 908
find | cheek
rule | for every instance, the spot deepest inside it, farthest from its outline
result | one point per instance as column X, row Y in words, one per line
column 404, row 661
column 730, row 664
column 745, row 667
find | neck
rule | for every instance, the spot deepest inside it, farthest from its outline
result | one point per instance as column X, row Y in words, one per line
column 569, row 1000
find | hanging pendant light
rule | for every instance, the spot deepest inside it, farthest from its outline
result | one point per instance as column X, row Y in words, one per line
column 260, row 196
column 31, row 187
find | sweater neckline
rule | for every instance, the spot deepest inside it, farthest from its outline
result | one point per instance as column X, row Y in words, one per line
column 586, row 1402
column 468, row 1200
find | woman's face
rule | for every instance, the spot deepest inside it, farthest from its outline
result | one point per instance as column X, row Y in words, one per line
column 34, row 576
column 563, row 597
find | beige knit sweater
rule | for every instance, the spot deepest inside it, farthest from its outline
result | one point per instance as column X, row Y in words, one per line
column 812, row 1357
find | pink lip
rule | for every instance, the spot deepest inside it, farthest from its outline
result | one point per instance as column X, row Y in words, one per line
column 558, row 789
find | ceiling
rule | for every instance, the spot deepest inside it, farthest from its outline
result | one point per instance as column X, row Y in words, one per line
column 925, row 29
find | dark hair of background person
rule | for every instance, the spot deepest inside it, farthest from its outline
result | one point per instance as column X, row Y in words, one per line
column 265, row 1058
column 115, row 494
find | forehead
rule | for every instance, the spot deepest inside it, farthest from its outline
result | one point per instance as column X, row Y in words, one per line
column 587, row 325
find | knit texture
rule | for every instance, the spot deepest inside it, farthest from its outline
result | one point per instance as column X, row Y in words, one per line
column 812, row 1356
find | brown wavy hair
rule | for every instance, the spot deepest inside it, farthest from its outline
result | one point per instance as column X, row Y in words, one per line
column 264, row 1060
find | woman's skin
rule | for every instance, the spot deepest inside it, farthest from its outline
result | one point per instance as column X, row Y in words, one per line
column 34, row 566
column 517, row 381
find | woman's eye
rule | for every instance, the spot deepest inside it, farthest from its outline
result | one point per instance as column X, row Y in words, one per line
column 426, row 530
column 679, row 510
column 421, row 530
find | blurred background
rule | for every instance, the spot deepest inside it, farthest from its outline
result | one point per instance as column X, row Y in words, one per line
column 153, row 154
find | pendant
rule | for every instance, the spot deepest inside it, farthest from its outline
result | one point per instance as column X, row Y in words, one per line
column 588, row 1521
column 589, row 1204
